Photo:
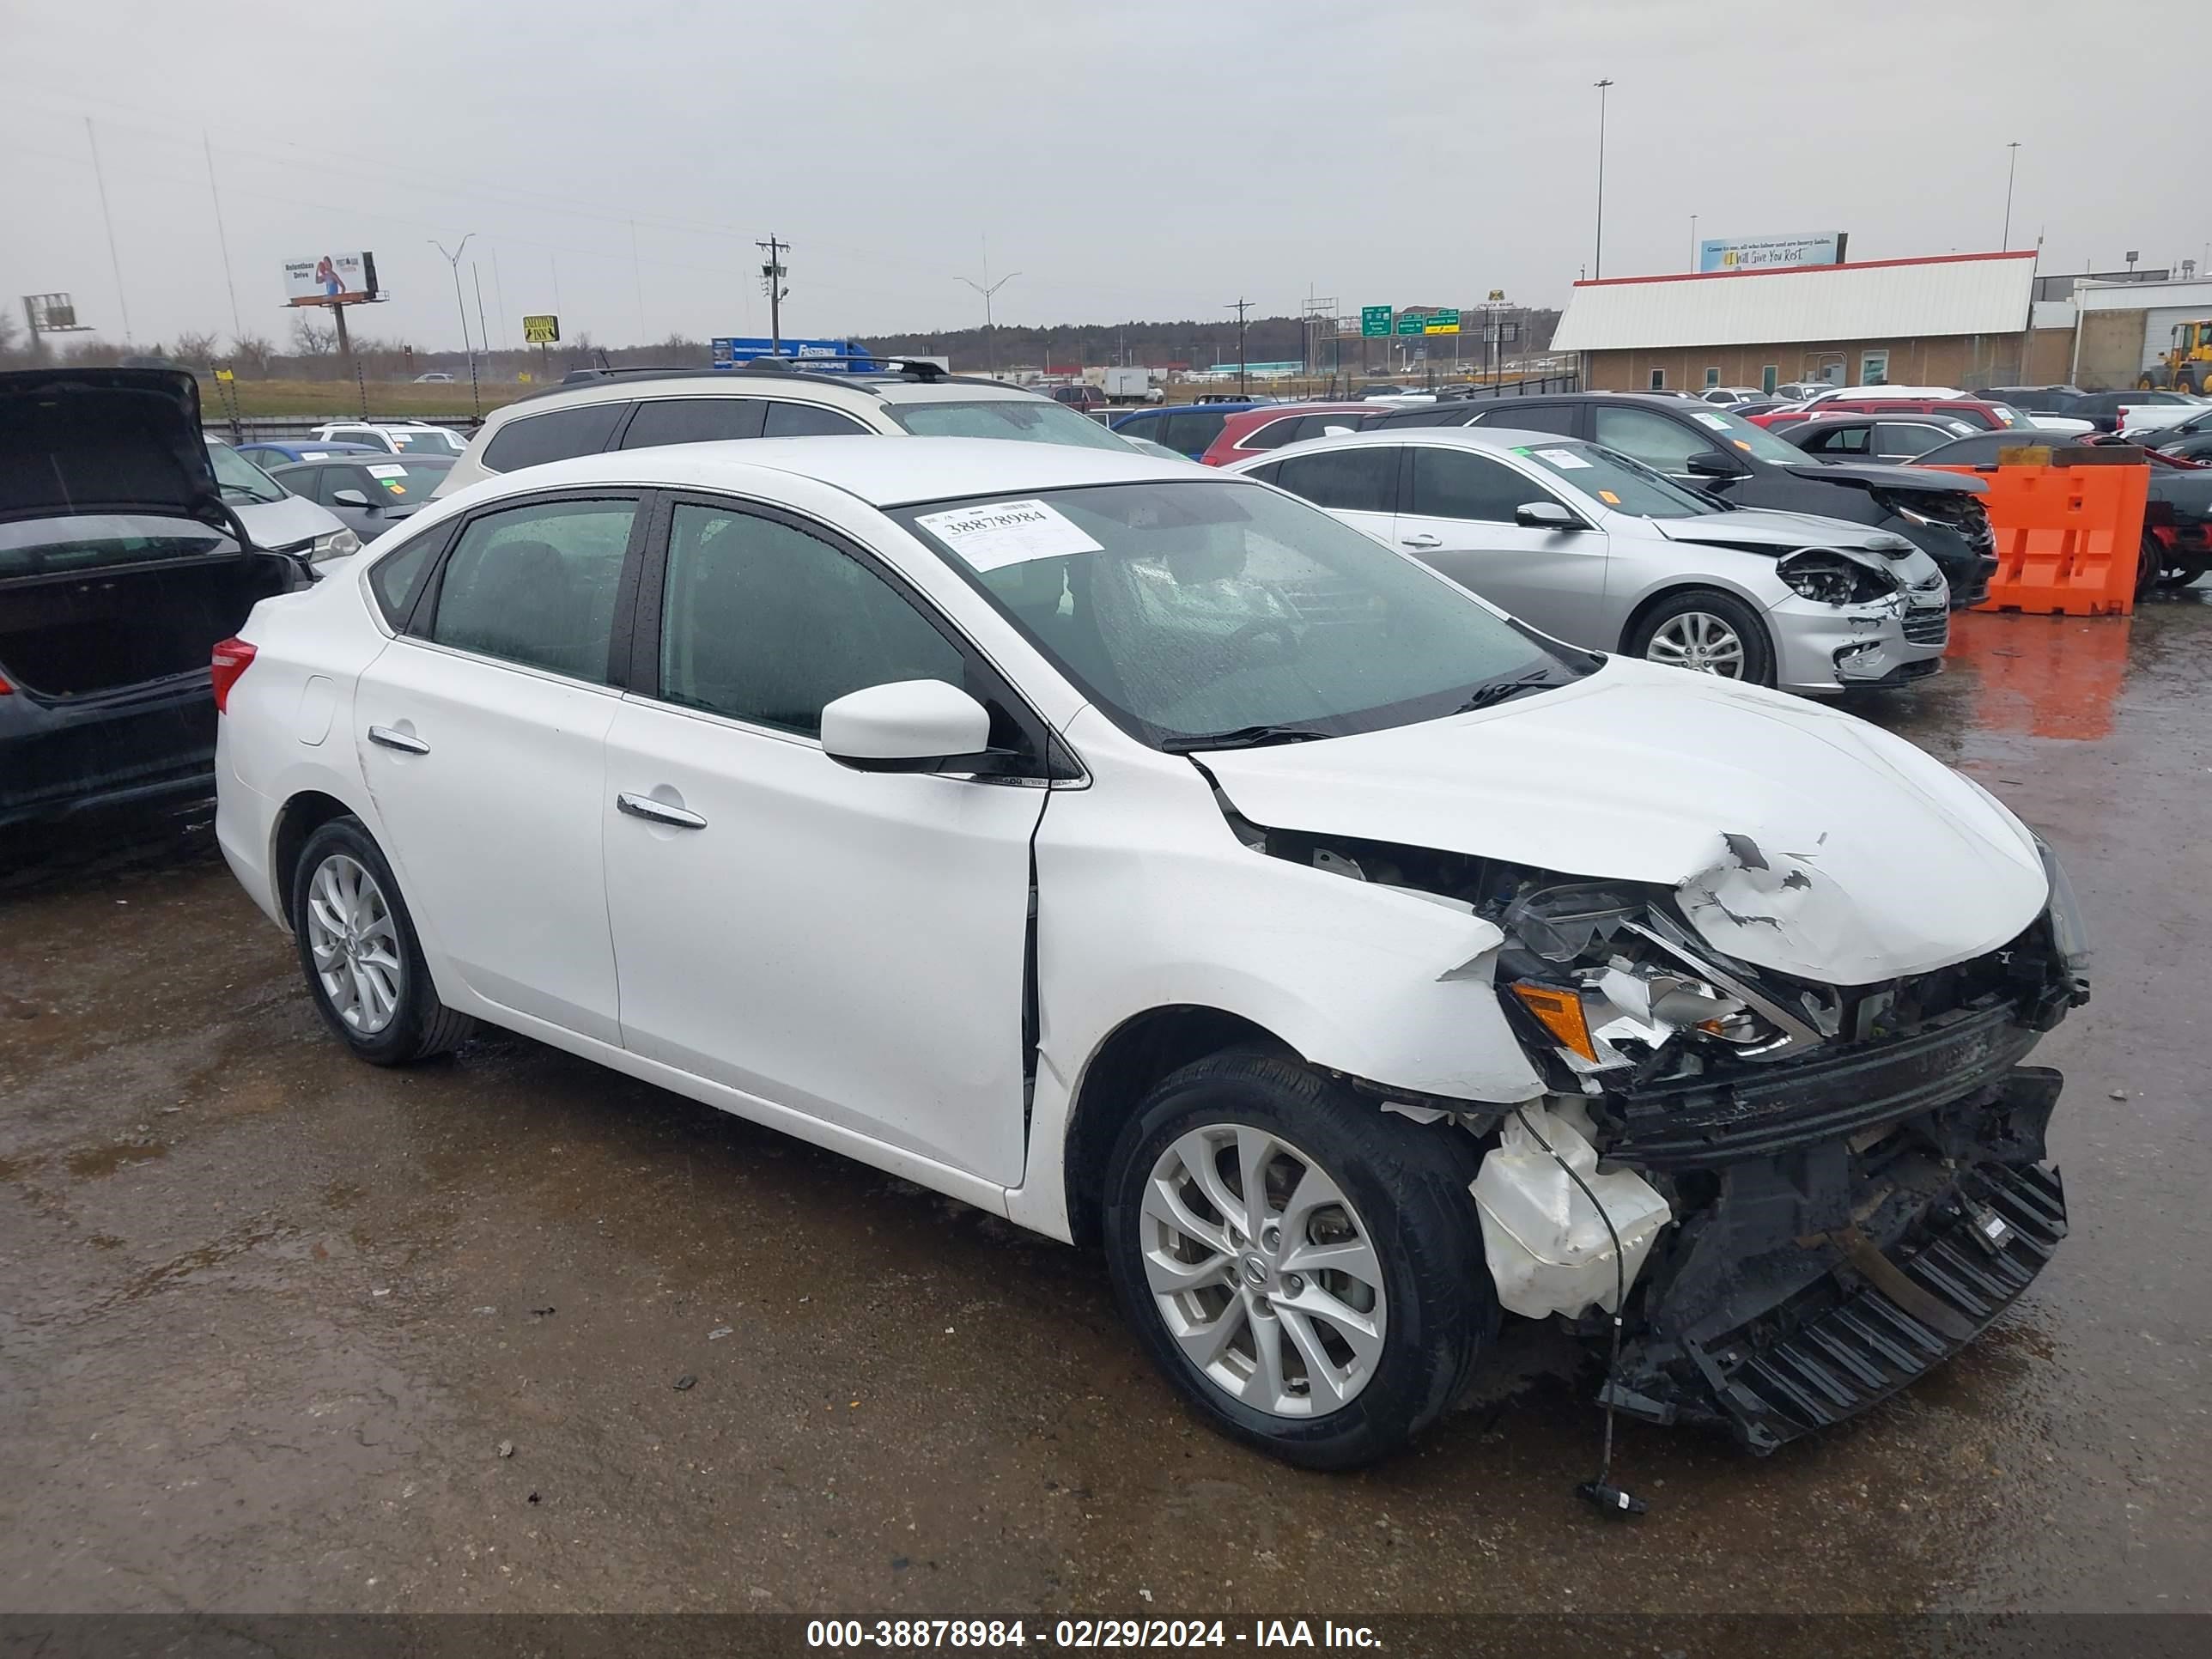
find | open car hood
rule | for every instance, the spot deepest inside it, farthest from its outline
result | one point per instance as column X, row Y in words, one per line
column 1873, row 475
column 1795, row 837
column 126, row 441
column 1767, row 530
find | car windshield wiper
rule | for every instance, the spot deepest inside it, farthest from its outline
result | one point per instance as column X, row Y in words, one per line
column 1499, row 690
column 1243, row 737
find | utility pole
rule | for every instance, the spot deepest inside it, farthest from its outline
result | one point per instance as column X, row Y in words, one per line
column 1696, row 249
column 772, row 274
column 1243, row 369
column 2012, row 165
column 114, row 259
column 483, row 334
column 1597, row 256
column 987, row 288
column 221, row 241
column 459, row 305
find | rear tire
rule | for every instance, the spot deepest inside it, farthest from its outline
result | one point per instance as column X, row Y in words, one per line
column 357, row 947
column 1706, row 632
column 1325, row 1366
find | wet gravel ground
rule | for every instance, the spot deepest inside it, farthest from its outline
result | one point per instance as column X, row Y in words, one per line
column 279, row 1331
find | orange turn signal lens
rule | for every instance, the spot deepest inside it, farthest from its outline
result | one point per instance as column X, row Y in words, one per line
column 1560, row 1012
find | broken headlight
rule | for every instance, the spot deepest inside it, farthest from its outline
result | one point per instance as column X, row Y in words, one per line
column 1832, row 577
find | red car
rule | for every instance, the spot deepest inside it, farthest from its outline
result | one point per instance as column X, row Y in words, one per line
column 1271, row 427
column 1987, row 416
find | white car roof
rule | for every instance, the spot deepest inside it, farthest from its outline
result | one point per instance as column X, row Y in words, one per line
column 883, row 474
column 1505, row 439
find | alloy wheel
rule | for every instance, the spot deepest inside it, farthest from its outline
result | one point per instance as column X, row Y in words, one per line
column 1263, row 1272
column 1699, row 640
column 356, row 945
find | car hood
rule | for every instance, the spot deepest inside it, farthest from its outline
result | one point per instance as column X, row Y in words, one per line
column 1796, row 837
column 281, row 526
column 1873, row 475
column 123, row 442
column 1760, row 529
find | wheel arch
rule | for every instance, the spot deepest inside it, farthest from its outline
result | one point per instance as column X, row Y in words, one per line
column 303, row 813
column 1124, row 1068
column 1676, row 588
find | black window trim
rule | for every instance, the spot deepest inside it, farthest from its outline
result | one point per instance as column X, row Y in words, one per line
column 424, row 608
column 622, row 417
column 639, row 630
column 621, row 437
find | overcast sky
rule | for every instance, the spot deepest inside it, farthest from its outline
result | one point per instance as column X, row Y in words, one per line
column 1138, row 159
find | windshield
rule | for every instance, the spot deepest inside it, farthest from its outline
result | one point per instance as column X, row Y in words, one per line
column 1195, row 612
column 48, row 547
column 409, row 482
column 425, row 441
column 1624, row 485
column 1036, row 421
column 1734, row 432
column 240, row 479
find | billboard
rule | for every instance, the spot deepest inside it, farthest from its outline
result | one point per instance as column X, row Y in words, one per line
column 730, row 352
column 1772, row 252
column 541, row 329
column 330, row 279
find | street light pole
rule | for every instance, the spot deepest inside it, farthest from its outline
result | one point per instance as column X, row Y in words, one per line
column 1598, row 256
column 459, row 304
column 990, row 330
column 2012, row 163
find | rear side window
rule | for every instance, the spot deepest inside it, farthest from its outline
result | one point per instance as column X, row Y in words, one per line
column 1347, row 480
column 1191, row 431
column 557, row 435
column 807, row 420
column 537, row 585
column 693, row 421
column 1275, row 433
column 396, row 577
column 1663, row 445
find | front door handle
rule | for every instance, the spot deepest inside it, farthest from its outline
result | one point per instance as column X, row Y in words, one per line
column 658, row 811
column 405, row 744
column 1422, row 540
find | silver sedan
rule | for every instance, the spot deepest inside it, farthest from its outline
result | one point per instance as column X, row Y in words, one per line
column 1600, row 550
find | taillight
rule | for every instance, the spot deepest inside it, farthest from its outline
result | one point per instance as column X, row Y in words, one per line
column 4, row 687
column 232, row 659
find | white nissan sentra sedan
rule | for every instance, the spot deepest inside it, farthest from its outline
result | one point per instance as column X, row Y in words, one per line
column 1146, row 856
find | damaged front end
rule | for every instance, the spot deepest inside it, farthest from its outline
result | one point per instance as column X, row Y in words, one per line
column 1811, row 1193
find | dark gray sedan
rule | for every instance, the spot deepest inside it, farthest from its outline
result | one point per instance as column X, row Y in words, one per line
column 369, row 493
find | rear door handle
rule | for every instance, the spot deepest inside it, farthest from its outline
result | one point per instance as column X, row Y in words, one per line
column 399, row 740
column 1422, row 540
column 658, row 811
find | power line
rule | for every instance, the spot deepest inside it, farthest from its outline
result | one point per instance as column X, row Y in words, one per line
column 113, row 257
column 237, row 328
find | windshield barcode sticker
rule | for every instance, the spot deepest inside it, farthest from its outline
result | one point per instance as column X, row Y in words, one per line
column 1712, row 421
column 386, row 470
column 1000, row 533
column 1562, row 458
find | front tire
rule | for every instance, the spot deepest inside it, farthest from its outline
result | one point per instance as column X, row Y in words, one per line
column 1706, row 632
column 358, row 950
column 1333, row 1319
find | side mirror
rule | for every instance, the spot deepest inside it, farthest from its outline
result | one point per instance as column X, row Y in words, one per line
column 349, row 498
column 1544, row 516
column 907, row 725
column 1711, row 463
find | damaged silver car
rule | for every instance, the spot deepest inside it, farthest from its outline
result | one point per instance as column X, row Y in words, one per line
column 1146, row 856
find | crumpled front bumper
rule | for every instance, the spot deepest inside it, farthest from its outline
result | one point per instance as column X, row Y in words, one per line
column 1839, row 1236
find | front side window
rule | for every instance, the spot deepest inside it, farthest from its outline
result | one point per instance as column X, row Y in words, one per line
column 1208, row 611
column 1191, row 431
column 559, row 435
column 808, row 421
column 535, row 585
column 1622, row 484
column 1838, row 440
column 1452, row 483
column 766, row 624
column 1901, row 438
column 1352, row 480
column 1731, row 431
column 1658, row 442
column 1027, row 420
column 693, row 421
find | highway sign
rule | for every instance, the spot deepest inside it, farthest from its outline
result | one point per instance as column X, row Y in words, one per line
column 541, row 331
column 1373, row 320
column 1410, row 324
column 1440, row 322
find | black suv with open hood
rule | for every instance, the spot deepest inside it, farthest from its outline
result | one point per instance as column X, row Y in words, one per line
column 1712, row 449
column 120, row 568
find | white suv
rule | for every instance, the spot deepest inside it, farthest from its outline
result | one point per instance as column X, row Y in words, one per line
column 1138, row 853
column 648, row 408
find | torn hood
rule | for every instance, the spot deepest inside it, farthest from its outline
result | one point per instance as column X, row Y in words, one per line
column 1762, row 530
column 127, row 441
column 1796, row 837
column 1874, row 475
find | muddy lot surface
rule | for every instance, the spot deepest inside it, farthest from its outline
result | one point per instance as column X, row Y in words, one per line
column 279, row 1331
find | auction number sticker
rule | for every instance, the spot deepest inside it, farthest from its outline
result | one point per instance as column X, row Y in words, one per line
column 1000, row 533
column 386, row 470
column 1561, row 457
column 1712, row 421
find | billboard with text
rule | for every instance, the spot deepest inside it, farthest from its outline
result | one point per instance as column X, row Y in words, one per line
column 330, row 279
column 1771, row 252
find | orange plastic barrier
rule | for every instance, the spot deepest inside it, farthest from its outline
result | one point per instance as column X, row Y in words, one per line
column 2067, row 537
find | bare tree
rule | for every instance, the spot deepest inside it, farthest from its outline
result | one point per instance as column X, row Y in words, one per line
column 198, row 349
column 253, row 352
column 311, row 338
column 10, row 328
